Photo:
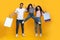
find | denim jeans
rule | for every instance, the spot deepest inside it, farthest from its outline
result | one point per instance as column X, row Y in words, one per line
column 38, row 25
column 31, row 15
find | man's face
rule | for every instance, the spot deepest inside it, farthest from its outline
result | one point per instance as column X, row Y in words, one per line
column 21, row 5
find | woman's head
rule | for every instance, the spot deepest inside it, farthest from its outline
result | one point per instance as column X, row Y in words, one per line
column 29, row 6
column 38, row 8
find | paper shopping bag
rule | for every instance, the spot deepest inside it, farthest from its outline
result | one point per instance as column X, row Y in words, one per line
column 8, row 22
column 46, row 16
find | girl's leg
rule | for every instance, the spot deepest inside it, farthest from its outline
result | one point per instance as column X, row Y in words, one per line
column 27, row 18
column 40, row 27
column 36, row 29
column 33, row 17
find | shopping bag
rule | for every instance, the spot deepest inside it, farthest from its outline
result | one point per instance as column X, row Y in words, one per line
column 8, row 22
column 46, row 16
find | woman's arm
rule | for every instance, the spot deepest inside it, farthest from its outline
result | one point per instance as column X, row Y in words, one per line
column 34, row 7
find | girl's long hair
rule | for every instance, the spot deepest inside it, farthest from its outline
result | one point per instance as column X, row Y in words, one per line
column 29, row 6
column 36, row 9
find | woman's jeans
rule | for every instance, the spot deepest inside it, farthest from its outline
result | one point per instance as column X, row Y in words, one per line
column 17, row 25
column 38, row 25
column 31, row 15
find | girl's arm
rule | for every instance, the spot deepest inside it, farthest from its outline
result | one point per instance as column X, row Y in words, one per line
column 43, row 12
column 25, row 9
column 34, row 7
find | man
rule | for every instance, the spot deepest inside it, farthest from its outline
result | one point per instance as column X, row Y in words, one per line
column 20, row 13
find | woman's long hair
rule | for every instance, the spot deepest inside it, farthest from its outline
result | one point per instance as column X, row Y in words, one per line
column 36, row 9
column 29, row 6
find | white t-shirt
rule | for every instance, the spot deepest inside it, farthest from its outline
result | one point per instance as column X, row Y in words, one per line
column 20, row 13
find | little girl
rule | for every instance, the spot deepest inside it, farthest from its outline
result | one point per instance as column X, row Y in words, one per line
column 39, row 12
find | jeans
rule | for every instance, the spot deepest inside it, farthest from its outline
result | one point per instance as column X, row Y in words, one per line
column 38, row 25
column 17, row 26
column 31, row 15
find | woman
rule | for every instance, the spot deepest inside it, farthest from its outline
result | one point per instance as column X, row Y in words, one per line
column 39, row 13
column 30, row 10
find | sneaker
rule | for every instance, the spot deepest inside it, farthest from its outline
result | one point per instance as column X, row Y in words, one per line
column 41, row 35
column 36, row 34
column 23, row 34
column 16, row 35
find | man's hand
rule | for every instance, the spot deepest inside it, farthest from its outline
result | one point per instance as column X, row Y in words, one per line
column 12, row 15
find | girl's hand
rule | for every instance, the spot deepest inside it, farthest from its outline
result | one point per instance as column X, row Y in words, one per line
column 44, row 11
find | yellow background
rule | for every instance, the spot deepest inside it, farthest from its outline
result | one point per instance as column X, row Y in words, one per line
column 51, row 30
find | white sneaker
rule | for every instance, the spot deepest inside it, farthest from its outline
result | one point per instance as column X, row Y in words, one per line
column 16, row 35
column 23, row 34
column 36, row 34
column 40, row 35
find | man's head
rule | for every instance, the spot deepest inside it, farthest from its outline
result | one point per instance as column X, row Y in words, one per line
column 21, row 5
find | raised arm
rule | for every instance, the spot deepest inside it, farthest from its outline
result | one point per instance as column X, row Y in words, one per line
column 34, row 6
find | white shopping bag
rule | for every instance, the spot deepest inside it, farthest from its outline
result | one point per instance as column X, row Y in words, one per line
column 8, row 22
column 46, row 16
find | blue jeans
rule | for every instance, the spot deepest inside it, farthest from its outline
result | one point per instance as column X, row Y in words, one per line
column 37, row 19
column 31, row 15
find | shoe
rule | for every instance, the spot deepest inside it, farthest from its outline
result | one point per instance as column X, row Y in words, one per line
column 23, row 34
column 36, row 34
column 16, row 35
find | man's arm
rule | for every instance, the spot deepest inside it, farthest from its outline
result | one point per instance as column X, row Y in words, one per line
column 12, row 14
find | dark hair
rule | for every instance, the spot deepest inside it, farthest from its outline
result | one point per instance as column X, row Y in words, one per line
column 21, row 3
column 36, row 9
column 29, row 6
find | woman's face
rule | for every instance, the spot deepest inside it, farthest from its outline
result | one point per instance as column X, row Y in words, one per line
column 30, row 6
column 38, row 8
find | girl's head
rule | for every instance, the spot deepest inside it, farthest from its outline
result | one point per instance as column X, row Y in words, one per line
column 38, row 8
column 29, row 6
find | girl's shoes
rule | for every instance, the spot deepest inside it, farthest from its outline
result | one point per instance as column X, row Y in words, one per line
column 36, row 34
column 23, row 34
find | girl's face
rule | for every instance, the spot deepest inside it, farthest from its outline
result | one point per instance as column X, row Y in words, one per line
column 38, row 8
column 30, row 6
